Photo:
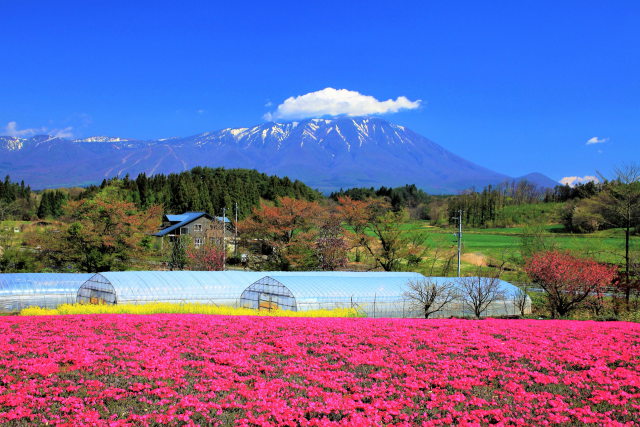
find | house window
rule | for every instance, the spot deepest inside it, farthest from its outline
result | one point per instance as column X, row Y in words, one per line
column 197, row 227
column 184, row 230
column 197, row 242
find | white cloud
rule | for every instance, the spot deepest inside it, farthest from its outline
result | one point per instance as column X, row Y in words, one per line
column 597, row 140
column 200, row 111
column 337, row 102
column 572, row 181
column 11, row 129
column 62, row 133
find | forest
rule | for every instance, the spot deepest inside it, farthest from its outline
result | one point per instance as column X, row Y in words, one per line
column 200, row 189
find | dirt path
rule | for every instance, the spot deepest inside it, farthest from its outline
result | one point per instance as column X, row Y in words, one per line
column 475, row 259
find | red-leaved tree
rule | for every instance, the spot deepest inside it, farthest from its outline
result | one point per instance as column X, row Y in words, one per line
column 567, row 279
column 286, row 229
column 206, row 258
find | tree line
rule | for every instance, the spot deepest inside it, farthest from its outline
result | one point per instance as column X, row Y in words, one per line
column 199, row 189
column 319, row 235
column 407, row 197
column 15, row 199
column 486, row 207
column 207, row 190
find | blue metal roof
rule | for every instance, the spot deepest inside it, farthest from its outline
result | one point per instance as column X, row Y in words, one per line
column 184, row 219
column 177, row 218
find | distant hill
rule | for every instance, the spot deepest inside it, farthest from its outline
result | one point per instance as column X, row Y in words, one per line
column 539, row 179
column 325, row 154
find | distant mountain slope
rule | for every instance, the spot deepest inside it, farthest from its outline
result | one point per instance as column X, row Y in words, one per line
column 538, row 179
column 325, row 154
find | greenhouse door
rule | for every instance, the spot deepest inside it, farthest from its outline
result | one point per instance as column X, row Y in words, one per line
column 265, row 302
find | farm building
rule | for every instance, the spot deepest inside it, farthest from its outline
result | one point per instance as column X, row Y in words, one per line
column 47, row 290
column 198, row 226
column 375, row 294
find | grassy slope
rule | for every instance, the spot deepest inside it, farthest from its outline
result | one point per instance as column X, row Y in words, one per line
column 504, row 243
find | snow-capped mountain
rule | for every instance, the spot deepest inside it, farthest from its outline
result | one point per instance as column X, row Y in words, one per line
column 327, row 154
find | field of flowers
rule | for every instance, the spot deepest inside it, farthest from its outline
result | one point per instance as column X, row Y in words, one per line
column 198, row 369
column 182, row 308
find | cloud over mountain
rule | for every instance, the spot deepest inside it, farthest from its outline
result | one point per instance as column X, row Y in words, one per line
column 11, row 129
column 572, row 181
column 338, row 102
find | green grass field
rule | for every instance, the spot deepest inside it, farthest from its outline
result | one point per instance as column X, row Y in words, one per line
column 504, row 244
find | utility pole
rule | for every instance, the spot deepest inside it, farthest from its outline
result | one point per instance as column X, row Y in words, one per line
column 459, row 235
column 224, row 235
column 235, row 237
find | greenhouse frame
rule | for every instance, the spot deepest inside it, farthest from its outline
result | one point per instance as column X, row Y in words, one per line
column 208, row 287
column 140, row 287
column 46, row 290
column 374, row 295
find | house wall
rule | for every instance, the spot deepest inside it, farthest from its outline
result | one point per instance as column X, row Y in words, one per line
column 198, row 229
column 208, row 229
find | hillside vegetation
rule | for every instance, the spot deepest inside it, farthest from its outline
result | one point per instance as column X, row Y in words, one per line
column 285, row 225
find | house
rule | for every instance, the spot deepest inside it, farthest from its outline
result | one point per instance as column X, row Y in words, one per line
column 199, row 226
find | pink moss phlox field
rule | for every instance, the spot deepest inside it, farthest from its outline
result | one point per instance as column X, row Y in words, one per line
column 197, row 369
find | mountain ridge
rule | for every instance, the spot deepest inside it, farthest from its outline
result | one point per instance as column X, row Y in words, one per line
column 326, row 154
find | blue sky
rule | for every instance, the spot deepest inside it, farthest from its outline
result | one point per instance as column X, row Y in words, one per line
column 514, row 86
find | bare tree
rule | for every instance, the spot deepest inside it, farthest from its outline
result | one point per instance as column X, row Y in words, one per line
column 438, row 262
column 521, row 299
column 430, row 296
column 620, row 205
column 534, row 238
column 479, row 292
column 447, row 265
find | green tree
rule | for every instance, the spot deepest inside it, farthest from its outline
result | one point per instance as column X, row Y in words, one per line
column 13, row 257
column 178, row 255
column 621, row 203
column 534, row 239
column 390, row 246
column 99, row 234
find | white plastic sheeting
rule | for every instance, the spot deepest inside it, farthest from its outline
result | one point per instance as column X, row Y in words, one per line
column 374, row 294
column 208, row 287
column 47, row 290
column 139, row 287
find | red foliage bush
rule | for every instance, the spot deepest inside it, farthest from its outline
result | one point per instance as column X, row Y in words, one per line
column 568, row 279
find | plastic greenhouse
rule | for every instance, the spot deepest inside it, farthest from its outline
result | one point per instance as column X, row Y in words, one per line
column 211, row 287
column 374, row 294
column 47, row 290
column 139, row 287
